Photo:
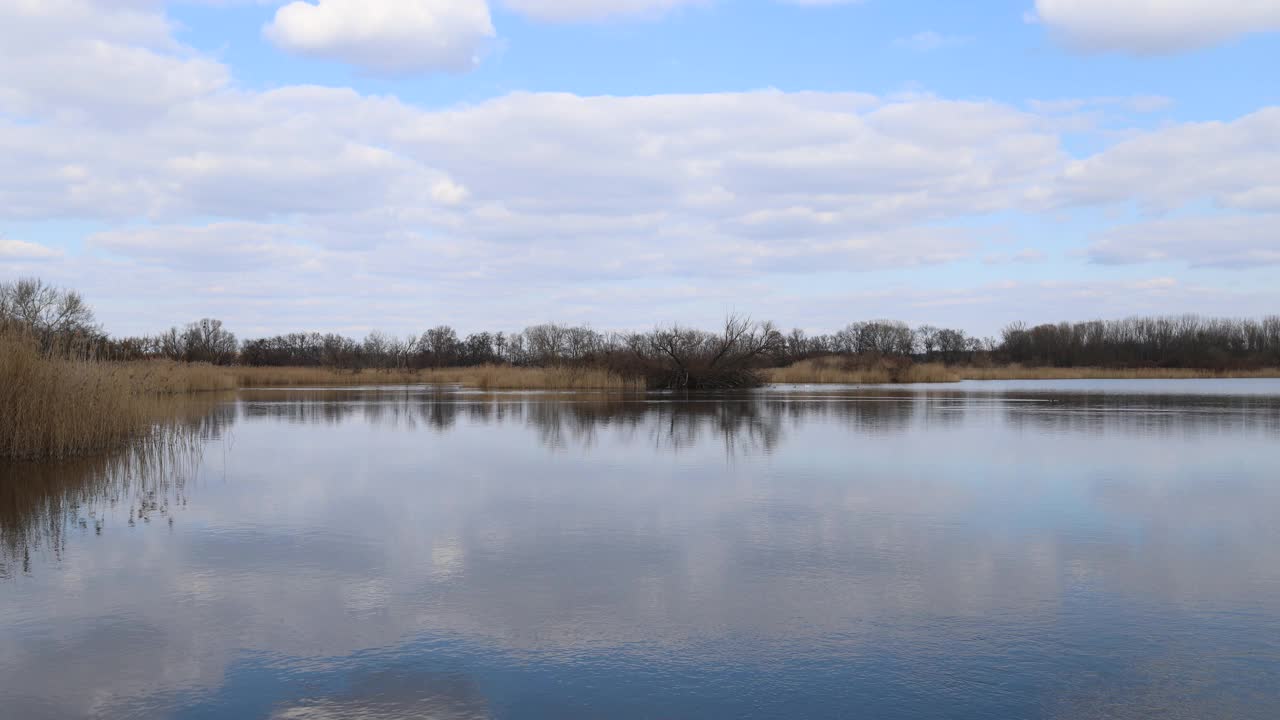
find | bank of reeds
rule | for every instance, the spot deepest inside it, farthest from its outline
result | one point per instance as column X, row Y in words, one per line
column 52, row 406
column 1018, row 372
column 484, row 377
column 852, row 371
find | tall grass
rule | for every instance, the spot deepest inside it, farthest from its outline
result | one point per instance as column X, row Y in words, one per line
column 840, row 370
column 1018, row 372
column 166, row 377
column 837, row 370
column 507, row 377
column 53, row 407
column 485, row 377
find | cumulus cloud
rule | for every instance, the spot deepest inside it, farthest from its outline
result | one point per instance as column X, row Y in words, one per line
column 1148, row 27
column 386, row 35
column 533, row 206
column 1228, row 241
column 18, row 250
column 219, row 247
column 107, row 62
column 1231, row 164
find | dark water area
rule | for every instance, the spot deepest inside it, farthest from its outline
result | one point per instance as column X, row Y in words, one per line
column 1091, row 549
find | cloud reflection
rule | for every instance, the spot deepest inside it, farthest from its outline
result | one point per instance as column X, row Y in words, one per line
column 454, row 554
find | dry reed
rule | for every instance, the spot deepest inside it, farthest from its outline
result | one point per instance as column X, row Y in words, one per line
column 1018, row 372
column 832, row 370
column 53, row 407
column 840, row 371
column 485, row 377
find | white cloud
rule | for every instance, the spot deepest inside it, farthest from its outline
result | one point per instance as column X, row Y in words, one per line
column 1155, row 26
column 1231, row 164
column 220, row 247
column 1028, row 255
column 1229, row 241
column 321, row 188
column 14, row 250
column 329, row 207
column 110, row 63
column 386, row 35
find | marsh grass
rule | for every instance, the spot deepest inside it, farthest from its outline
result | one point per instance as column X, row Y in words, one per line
column 56, row 407
column 484, row 377
column 839, row 370
column 850, row 371
column 566, row 377
column 1018, row 372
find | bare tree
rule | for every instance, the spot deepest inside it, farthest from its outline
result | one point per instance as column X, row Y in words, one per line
column 679, row 357
column 56, row 317
column 207, row 341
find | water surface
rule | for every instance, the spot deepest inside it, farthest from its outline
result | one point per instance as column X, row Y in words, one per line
column 983, row 550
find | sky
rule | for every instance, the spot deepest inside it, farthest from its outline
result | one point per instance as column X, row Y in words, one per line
column 350, row 165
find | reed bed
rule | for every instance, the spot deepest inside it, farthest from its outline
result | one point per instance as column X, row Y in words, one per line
column 485, row 377
column 834, row 370
column 53, row 407
column 165, row 377
column 846, row 372
column 259, row 377
column 1018, row 372
column 506, row 377
column 56, row 408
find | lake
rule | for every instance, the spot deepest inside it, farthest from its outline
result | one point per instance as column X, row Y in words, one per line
column 1072, row 549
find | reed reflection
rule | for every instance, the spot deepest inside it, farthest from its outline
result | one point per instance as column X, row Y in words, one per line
column 43, row 503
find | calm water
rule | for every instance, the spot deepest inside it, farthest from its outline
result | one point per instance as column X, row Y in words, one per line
column 997, row 550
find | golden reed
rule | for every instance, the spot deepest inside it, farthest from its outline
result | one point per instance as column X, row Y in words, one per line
column 834, row 370
column 52, row 407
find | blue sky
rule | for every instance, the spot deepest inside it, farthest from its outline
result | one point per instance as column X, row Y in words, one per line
column 397, row 164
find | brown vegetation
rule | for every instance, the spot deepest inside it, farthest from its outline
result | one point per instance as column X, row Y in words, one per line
column 857, row 371
column 1018, row 372
column 883, row 371
column 485, row 377
column 53, row 406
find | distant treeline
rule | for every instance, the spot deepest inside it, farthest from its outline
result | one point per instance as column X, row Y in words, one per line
column 1182, row 341
column 672, row 355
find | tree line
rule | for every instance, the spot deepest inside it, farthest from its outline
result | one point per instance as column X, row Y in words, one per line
column 672, row 355
column 1187, row 341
